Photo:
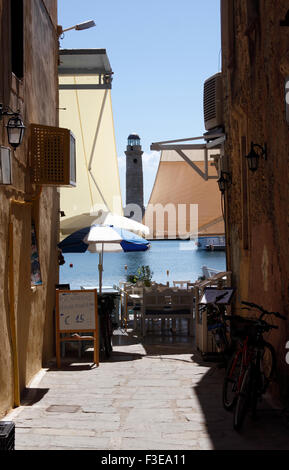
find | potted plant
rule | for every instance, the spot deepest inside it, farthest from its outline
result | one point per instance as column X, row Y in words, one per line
column 144, row 275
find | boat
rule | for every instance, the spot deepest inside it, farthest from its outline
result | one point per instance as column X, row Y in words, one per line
column 212, row 243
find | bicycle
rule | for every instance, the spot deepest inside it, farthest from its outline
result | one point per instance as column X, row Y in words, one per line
column 253, row 365
column 216, row 318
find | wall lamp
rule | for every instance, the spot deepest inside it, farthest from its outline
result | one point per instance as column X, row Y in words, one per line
column 15, row 127
column 77, row 27
column 254, row 156
column 224, row 180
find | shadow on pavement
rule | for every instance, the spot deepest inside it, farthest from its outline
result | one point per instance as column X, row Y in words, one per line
column 157, row 341
column 30, row 396
column 266, row 432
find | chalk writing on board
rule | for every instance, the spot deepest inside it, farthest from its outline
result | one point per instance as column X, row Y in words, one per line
column 76, row 311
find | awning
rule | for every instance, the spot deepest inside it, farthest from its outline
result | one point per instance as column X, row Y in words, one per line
column 187, row 177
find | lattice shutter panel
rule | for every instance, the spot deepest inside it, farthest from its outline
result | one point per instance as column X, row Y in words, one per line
column 51, row 155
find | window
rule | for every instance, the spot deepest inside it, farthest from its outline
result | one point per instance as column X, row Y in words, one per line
column 17, row 47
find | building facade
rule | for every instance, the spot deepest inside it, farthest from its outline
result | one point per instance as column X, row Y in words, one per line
column 28, row 212
column 255, row 55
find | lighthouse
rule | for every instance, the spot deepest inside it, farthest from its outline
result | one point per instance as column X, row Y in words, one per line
column 134, row 179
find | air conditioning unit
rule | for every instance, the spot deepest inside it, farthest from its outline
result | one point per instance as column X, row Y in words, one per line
column 213, row 102
column 53, row 156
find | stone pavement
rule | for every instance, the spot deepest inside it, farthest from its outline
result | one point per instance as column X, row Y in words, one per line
column 157, row 395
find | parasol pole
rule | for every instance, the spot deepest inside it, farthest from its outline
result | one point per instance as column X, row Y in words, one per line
column 100, row 268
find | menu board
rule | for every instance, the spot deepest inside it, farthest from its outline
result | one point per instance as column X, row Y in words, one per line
column 77, row 311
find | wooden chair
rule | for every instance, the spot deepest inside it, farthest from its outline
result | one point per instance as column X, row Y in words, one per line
column 181, row 284
column 156, row 286
column 136, row 304
column 125, row 288
column 167, row 304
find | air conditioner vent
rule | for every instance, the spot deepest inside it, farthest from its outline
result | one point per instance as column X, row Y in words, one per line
column 213, row 102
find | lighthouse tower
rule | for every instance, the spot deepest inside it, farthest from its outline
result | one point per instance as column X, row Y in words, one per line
column 134, row 179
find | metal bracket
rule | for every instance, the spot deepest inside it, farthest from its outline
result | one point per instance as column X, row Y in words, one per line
column 181, row 148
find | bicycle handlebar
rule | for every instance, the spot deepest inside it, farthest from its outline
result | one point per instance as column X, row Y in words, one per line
column 259, row 322
column 264, row 312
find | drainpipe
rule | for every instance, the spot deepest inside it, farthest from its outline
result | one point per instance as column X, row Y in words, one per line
column 12, row 317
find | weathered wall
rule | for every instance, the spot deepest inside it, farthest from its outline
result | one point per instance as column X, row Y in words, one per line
column 37, row 98
column 255, row 64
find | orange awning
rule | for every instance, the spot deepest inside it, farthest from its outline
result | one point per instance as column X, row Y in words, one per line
column 178, row 187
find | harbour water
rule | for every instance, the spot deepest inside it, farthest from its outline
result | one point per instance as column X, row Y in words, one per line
column 180, row 258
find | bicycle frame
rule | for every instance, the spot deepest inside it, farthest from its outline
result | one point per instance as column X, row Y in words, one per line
column 246, row 356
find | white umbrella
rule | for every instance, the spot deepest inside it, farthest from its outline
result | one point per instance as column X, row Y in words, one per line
column 101, row 238
column 96, row 238
column 72, row 224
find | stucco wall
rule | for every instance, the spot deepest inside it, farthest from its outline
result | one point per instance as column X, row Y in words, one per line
column 255, row 64
column 37, row 98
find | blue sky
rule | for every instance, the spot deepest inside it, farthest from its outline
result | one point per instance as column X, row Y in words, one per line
column 161, row 52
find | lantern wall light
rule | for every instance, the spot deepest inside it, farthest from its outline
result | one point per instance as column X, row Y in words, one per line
column 15, row 127
column 254, row 156
column 224, row 180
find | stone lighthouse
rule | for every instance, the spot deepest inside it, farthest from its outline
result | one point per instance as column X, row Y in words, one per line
column 134, row 179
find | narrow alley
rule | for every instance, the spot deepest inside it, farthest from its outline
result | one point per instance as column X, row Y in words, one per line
column 152, row 396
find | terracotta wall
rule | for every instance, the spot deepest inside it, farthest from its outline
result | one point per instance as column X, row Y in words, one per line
column 36, row 95
column 255, row 64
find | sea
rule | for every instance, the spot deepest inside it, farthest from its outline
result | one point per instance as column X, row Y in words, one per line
column 169, row 260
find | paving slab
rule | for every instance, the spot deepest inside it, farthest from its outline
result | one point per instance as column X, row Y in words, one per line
column 149, row 395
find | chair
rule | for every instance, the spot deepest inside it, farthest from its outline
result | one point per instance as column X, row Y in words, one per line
column 136, row 304
column 192, row 285
column 167, row 304
column 181, row 284
column 156, row 286
column 125, row 289
column 209, row 273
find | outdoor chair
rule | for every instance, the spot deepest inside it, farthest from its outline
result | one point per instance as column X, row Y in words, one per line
column 136, row 304
column 181, row 284
column 167, row 304
column 156, row 286
column 125, row 289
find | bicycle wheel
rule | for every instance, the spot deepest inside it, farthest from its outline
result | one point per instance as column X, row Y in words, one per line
column 230, row 383
column 243, row 399
column 267, row 366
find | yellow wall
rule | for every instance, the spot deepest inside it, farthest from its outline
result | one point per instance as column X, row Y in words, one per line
column 37, row 98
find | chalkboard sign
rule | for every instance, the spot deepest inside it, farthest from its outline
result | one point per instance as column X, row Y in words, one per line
column 76, row 312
